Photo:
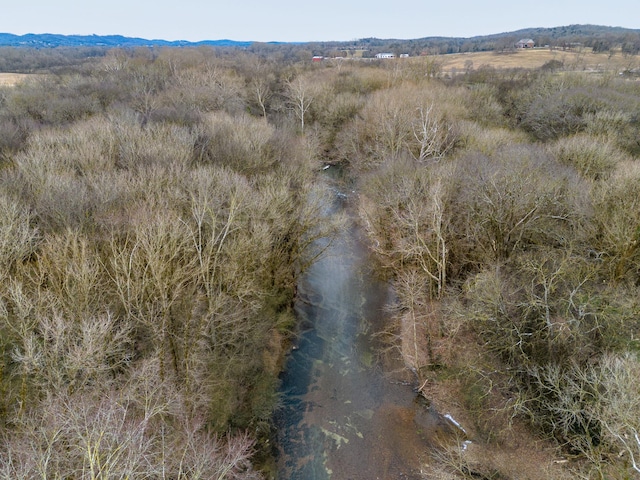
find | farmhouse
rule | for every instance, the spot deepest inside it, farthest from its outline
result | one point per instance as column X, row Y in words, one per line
column 525, row 43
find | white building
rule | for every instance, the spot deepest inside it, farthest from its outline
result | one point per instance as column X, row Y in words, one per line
column 385, row 55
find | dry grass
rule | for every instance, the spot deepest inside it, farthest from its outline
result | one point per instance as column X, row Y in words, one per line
column 535, row 58
column 11, row 79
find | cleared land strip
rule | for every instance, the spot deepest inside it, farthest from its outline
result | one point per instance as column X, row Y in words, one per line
column 535, row 58
column 10, row 79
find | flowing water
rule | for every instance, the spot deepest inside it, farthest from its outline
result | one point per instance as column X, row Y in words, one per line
column 348, row 412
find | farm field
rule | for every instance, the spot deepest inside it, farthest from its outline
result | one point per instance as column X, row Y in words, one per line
column 535, row 58
column 10, row 79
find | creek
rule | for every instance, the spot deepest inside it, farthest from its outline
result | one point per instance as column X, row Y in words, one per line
column 348, row 410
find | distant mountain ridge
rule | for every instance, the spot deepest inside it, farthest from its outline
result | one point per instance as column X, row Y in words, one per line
column 552, row 32
column 568, row 33
column 50, row 40
column 598, row 37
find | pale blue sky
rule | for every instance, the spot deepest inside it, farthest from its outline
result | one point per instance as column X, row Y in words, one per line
column 289, row 20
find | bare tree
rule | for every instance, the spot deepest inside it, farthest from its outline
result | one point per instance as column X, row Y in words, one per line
column 300, row 94
column 262, row 92
column 424, row 221
column 517, row 196
column 620, row 409
column 433, row 135
column 17, row 236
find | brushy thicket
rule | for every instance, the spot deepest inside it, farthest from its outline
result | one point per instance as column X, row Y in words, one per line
column 151, row 237
column 523, row 234
column 155, row 211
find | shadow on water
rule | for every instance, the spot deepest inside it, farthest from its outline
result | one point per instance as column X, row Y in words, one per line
column 345, row 414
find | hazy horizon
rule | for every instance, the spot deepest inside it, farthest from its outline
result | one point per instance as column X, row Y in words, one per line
column 288, row 21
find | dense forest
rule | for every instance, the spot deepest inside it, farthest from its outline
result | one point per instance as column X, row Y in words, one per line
column 158, row 205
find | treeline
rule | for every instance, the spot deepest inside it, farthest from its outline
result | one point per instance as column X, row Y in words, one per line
column 597, row 38
column 39, row 53
column 32, row 60
column 62, row 59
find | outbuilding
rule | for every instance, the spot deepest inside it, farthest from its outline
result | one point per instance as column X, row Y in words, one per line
column 526, row 43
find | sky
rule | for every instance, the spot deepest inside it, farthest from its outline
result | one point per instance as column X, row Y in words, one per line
column 300, row 21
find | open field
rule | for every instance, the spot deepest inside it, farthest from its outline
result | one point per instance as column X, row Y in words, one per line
column 535, row 58
column 10, row 79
